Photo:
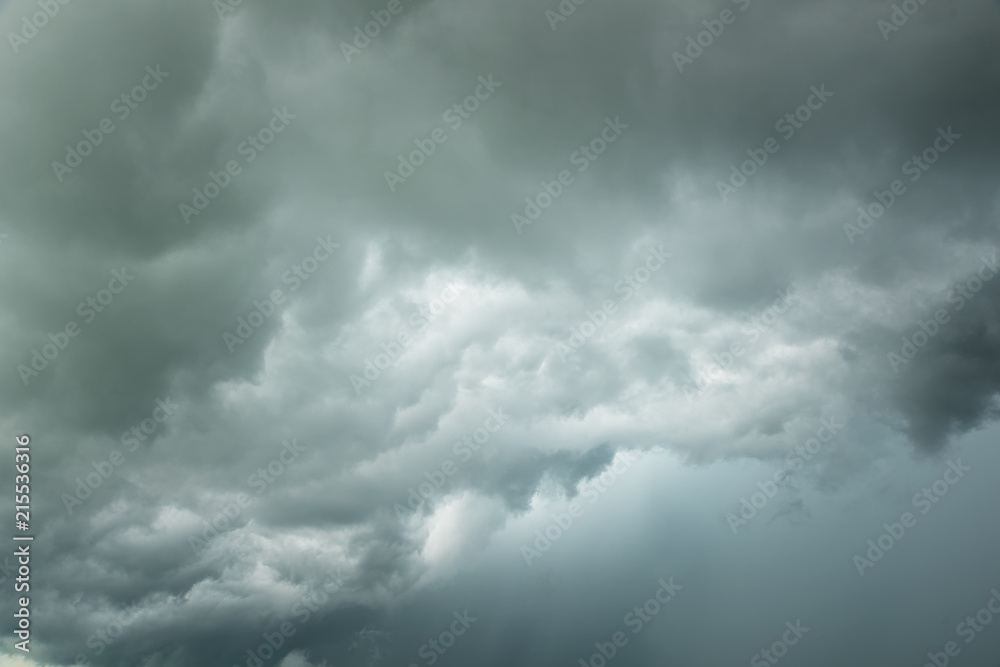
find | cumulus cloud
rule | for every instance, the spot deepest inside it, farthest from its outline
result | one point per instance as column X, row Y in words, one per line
column 371, row 245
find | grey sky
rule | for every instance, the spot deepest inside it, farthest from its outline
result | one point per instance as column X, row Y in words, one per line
column 377, row 327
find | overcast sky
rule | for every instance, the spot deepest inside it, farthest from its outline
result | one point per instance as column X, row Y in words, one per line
column 428, row 332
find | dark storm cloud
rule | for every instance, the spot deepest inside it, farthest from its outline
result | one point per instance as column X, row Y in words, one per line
column 947, row 381
column 347, row 122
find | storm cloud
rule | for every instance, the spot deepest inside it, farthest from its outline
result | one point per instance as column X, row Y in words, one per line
column 338, row 325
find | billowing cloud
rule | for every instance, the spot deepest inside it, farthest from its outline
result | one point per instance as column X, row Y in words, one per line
column 324, row 315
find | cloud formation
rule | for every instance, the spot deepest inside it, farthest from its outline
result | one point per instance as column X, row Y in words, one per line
column 367, row 227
